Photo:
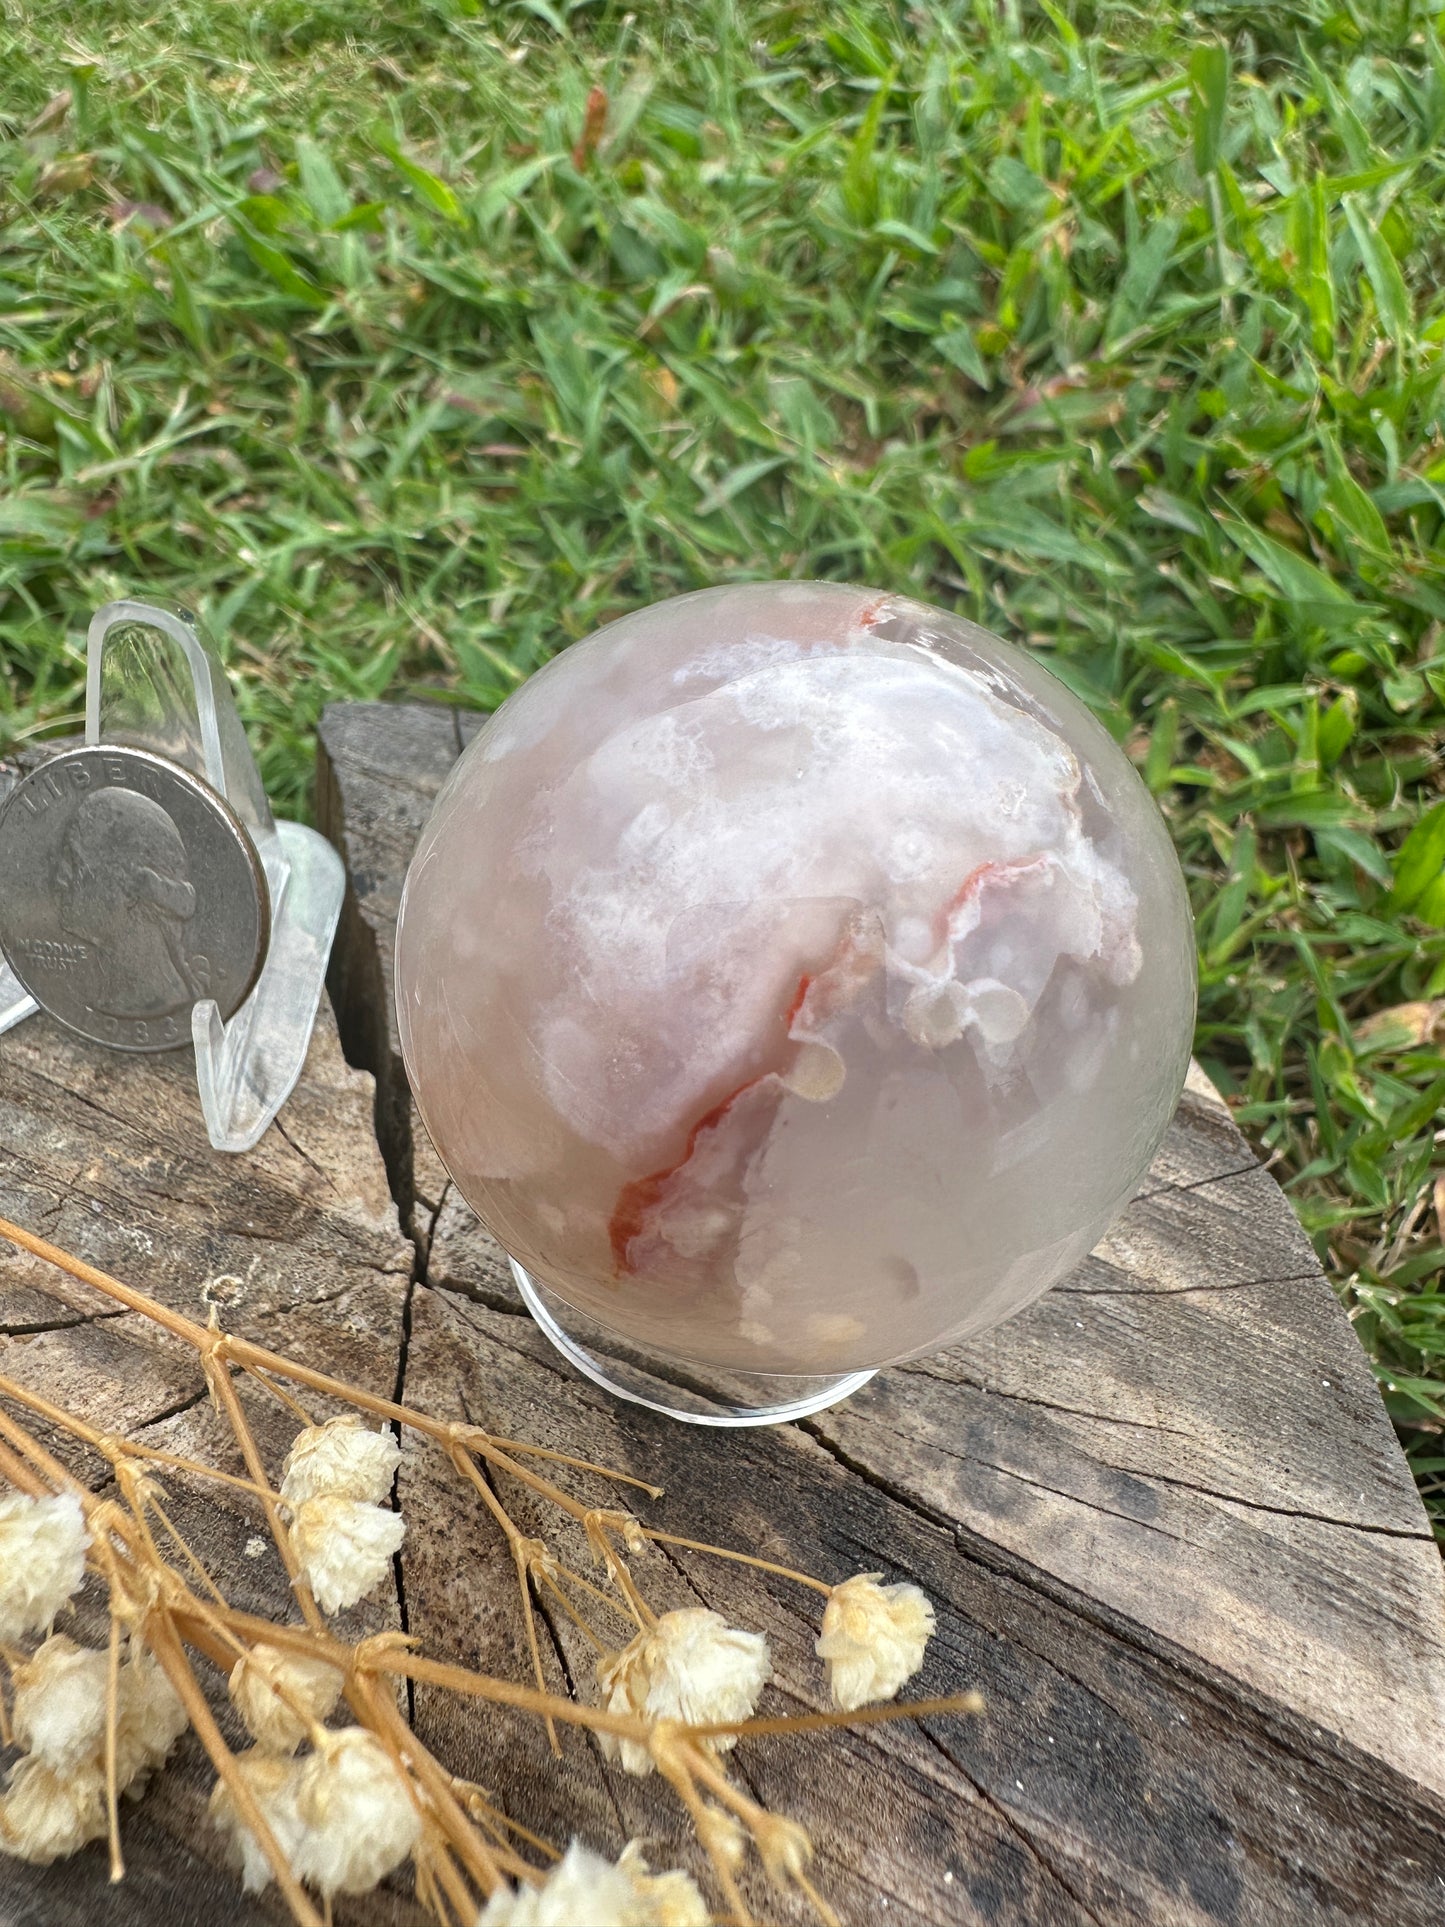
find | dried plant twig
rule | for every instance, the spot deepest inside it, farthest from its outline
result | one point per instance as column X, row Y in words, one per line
column 360, row 1800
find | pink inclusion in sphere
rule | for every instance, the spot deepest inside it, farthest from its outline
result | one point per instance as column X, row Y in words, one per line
column 795, row 978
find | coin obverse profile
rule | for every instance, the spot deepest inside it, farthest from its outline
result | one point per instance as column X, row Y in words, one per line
column 124, row 888
column 129, row 891
column 795, row 979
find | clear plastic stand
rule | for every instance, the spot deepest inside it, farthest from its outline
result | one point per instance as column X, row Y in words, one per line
column 152, row 682
column 15, row 1001
column 696, row 1394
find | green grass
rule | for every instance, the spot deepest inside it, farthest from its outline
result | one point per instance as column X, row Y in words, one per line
column 1118, row 327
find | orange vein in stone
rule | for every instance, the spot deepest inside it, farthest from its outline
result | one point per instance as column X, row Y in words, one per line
column 635, row 1201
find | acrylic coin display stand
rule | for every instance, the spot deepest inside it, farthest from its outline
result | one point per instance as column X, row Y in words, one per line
column 153, row 682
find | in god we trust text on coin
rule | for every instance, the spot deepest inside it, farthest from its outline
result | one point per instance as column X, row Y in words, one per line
column 129, row 891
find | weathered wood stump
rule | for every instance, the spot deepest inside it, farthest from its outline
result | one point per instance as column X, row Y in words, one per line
column 1162, row 1515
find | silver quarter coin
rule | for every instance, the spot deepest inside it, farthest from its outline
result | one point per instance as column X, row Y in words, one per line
column 129, row 891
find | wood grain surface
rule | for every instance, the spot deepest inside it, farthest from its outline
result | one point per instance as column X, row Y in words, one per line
column 1166, row 1525
column 296, row 1245
column 1181, row 1450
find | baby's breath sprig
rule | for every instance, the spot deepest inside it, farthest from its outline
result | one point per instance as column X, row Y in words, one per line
column 325, row 1809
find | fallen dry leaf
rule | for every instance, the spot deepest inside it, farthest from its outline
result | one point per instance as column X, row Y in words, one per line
column 1402, row 1026
column 52, row 113
column 67, row 175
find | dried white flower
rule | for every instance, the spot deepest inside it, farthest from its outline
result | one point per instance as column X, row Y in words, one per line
column 149, row 1719
column 45, row 1815
column 342, row 1459
column 344, row 1547
column 342, row 1815
column 721, row 1833
column 873, row 1639
column 358, row 1820
column 274, row 1782
column 583, row 1887
column 278, row 1720
column 60, row 1704
column 690, row 1666
column 42, row 1560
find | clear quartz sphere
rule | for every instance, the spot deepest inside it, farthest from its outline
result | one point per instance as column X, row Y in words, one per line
column 795, row 978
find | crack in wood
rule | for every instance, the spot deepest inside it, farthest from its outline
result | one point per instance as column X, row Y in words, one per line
column 61, row 1324
column 431, row 1229
column 305, row 1156
column 398, row 1395
column 898, row 1493
column 544, row 1611
column 1015, row 1826
column 1150, row 1477
column 1184, row 1291
column 1047, row 1405
column 478, row 1295
column 266, row 1313
column 1196, row 1184
column 1262, row 1505
column 174, row 1411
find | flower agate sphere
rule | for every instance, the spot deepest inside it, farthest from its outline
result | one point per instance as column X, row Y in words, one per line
column 795, row 979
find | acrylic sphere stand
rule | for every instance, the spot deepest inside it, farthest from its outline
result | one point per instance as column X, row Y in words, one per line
column 695, row 1394
column 795, row 980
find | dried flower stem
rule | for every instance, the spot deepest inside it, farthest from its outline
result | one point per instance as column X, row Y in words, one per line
column 565, row 1458
column 952, row 1705
column 587, row 1632
column 521, row 1558
column 657, row 1538
column 186, row 1551
column 214, row 1361
column 464, row 1854
column 675, row 1771
column 481, row 1863
column 282, row 1396
column 112, row 1789
column 162, row 1640
column 22, row 1476
column 485, row 1814
column 116, row 1449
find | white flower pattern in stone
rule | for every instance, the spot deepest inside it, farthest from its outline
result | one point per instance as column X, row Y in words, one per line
column 797, row 978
